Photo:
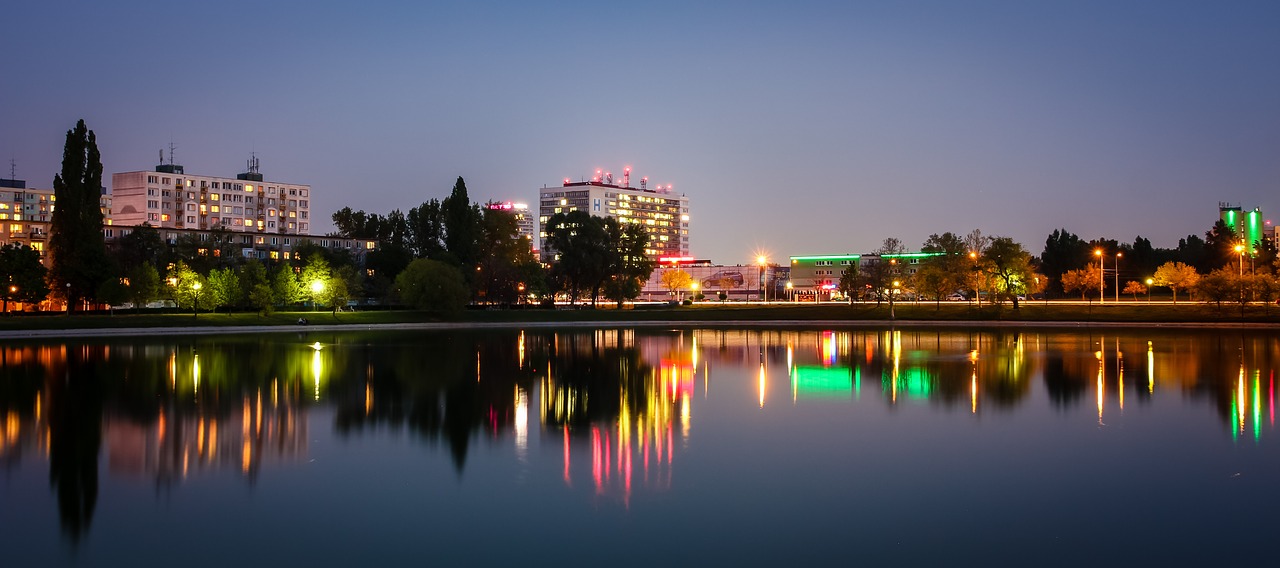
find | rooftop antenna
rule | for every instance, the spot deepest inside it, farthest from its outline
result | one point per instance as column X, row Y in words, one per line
column 13, row 169
column 171, row 148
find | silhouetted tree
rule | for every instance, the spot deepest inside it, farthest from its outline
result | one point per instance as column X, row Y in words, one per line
column 77, row 249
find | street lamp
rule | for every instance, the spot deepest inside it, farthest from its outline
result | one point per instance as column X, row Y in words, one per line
column 316, row 288
column 693, row 290
column 1149, row 283
column 1118, row 255
column 1101, row 270
column 791, row 297
column 973, row 257
column 761, row 261
column 13, row 291
column 195, row 305
column 892, row 294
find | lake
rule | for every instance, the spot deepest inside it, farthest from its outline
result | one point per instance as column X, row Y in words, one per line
column 640, row 446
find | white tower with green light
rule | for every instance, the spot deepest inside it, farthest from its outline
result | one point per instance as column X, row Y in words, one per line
column 1248, row 225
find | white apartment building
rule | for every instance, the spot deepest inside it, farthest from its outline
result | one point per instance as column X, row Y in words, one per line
column 663, row 214
column 171, row 199
column 26, row 214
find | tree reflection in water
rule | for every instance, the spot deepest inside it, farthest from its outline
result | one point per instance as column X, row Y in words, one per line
column 169, row 407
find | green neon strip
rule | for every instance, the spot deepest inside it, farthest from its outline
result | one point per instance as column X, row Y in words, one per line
column 828, row 257
column 823, row 382
column 913, row 255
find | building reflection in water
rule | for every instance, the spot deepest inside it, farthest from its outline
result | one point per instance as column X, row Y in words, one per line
column 620, row 404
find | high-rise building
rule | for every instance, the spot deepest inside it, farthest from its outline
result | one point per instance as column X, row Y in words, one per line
column 663, row 213
column 170, row 198
column 1249, row 226
column 524, row 220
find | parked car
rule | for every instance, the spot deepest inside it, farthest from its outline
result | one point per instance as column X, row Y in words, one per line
column 717, row 280
column 956, row 298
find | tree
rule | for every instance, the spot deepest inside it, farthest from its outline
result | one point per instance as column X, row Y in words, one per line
column 629, row 267
column 316, row 277
column 675, row 280
column 77, row 249
column 1010, row 264
column 1176, row 275
column 284, row 286
column 187, row 287
column 1063, row 251
column 251, row 275
column 935, row 280
column 1219, row 285
column 850, row 281
column 144, row 284
column 22, row 276
column 223, row 288
column 112, row 292
column 461, row 226
column 141, row 246
column 426, row 229
column 501, row 254
column 1084, row 280
column 432, row 285
column 581, row 245
column 1134, row 287
column 262, row 298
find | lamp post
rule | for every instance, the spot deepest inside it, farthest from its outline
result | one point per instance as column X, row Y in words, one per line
column 892, row 294
column 791, row 297
column 973, row 258
column 1149, row 283
column 1118, row 255
column 13, row 291
column 1240, row 282
column 693, row 290
column 761, row 260
column 1101, row 283
column 195, row 305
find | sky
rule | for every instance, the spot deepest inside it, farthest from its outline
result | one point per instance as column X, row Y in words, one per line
column 795, row 128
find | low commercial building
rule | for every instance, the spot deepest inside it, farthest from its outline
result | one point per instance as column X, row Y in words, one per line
column 816, row 278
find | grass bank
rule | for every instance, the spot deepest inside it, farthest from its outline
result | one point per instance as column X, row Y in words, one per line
column 1136, row 313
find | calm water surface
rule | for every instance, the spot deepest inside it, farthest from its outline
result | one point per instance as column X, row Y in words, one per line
column 618, row 446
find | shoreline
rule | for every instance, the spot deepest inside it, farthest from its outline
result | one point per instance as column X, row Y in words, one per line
column 710, row 323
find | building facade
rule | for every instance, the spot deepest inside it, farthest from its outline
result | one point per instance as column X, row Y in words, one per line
column 817, row 278
column 26, row 214
column 249, row 245
column 524, row 219
column 171, row 199
column 663, row 214
column 1249, row 226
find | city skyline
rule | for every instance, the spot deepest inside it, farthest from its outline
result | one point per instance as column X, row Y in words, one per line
column 814, row 128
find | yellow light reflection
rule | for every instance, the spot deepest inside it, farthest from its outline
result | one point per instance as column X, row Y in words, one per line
column 1151, row 369
column 684, row 415
column 316, row 369
column 522, row 420
column 973, row 393
column 761, row 384
column 195, row 374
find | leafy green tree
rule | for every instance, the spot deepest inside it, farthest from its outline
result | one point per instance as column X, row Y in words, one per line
column 187, row 287
column 251, row 275
column 262, row 298
column 142, row 245
column 432, row 285
column 223, row 288
column 285, row 288
column 112, row 292
column 629, row 266
column 1220, row 285
column 338, row 292
column 1176, row 275
column 936, row 281
column 1010, row 265
column 501, row 254
column 77, row 249
column 581, row 244
column 315, row 279
column 22, row 276
column 144, row 284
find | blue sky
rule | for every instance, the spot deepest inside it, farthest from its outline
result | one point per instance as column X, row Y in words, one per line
column 794, row 128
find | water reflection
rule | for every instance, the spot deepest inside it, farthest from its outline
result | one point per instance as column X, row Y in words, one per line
column 618, row 406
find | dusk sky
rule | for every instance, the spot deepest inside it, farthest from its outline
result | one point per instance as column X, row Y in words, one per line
column 794, row 128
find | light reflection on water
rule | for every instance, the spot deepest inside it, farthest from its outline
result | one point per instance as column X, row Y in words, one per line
column 619, row 432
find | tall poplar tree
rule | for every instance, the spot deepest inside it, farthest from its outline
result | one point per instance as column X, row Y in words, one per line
column 78, row 253
column 461, row 227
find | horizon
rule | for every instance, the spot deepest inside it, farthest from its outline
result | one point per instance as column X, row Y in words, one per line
column 815, row 128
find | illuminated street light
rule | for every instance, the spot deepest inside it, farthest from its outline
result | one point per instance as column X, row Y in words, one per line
column 761, row 259
column 316, row 288
column 1101, row 270
column 1118, row 255
column 195, row 304
column 790, row 293
column 1149, row 283
column 693, row 290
